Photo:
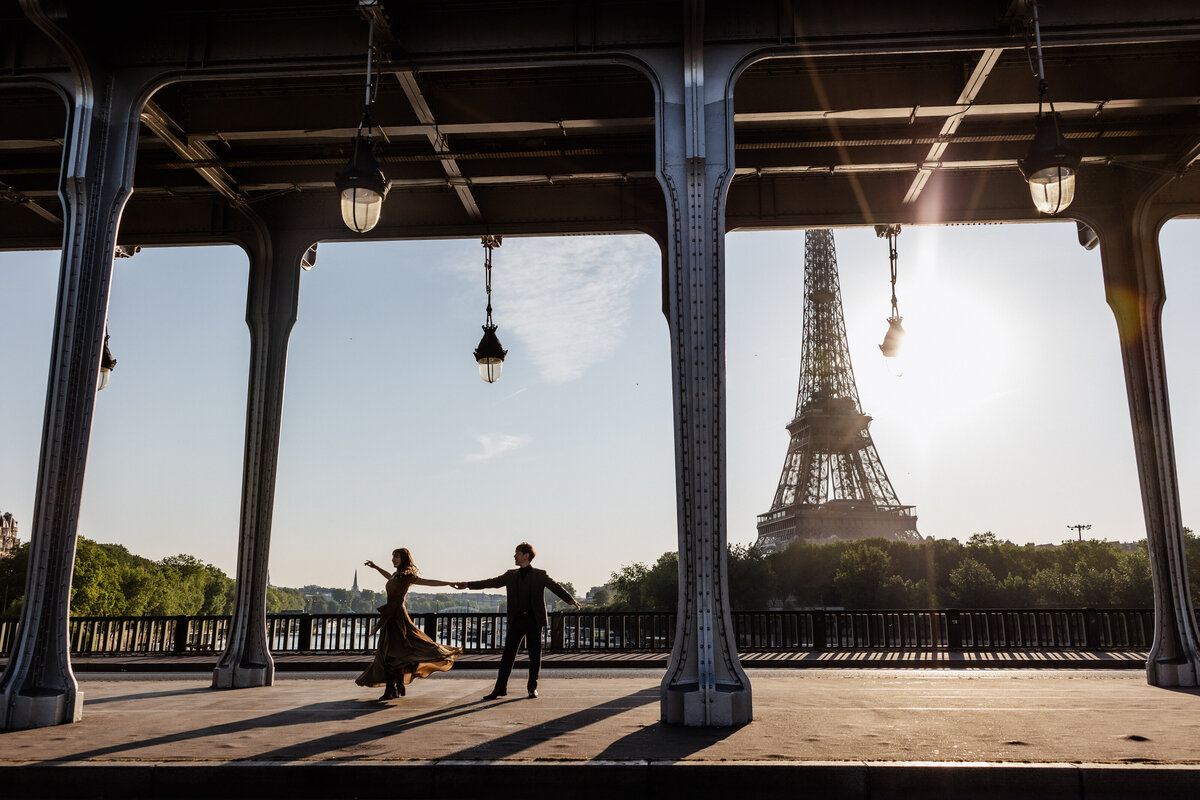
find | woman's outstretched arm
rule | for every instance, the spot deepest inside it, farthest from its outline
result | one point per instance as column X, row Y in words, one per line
column 431, row 582
column 378, row 568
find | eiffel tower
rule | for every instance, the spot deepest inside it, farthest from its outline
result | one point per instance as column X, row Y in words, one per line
column 833, row 484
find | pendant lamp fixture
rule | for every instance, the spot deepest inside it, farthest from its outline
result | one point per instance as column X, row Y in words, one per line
column 489, row 355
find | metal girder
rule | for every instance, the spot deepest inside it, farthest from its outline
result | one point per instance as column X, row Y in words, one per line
column 969, row 92
column 454, row 176
column 11, row 195
column 195, row 150
column 432, row 129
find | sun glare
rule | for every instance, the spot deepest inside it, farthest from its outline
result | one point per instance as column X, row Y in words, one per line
column 957, row 352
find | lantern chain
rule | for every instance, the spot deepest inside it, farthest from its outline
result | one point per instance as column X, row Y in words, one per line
column 489, row 243
column 892, row 232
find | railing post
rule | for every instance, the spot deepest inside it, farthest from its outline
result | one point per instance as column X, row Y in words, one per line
column 430, row 625
column 305, row 642
column 556, row 631
column 954, row 639
column 818, row 629
column 181, row 635
column 1091, row 628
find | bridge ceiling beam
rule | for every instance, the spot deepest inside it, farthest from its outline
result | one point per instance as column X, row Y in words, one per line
column 514, row 103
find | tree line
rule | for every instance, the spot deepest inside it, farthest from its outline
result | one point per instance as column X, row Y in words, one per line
column 872, row 573
column 109, row 581
column 986, row 572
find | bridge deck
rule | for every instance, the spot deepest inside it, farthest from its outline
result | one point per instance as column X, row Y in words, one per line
column 595, row 733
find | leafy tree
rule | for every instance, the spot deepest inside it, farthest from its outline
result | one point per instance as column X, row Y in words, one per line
column 861, row 572
column 280, row 599
column 1136, row 589
column 751, row 579
column 1191, row 546
column 629, row 586
column 804, row 574
column 96, row 585
column 1054, row 588
column 973, row 585
column 12, row 580
column 641, row 588
column 900, row 592
column 556, row 603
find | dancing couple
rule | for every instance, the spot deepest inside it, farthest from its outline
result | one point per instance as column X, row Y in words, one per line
column 406, row 653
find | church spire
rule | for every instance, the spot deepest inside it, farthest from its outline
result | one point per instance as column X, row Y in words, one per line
column 354, row 589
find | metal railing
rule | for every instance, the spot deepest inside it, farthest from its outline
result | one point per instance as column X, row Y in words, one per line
column 811, row 630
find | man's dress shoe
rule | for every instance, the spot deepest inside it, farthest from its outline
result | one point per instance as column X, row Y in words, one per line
column 494, row 695
column 533, row 694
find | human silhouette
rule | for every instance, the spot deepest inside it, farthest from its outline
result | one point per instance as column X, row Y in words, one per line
column 526, row 588
column 404, row 651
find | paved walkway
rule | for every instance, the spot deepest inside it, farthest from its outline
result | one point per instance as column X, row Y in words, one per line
column 595, row 733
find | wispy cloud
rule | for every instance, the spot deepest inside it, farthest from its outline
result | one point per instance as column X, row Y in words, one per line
column 567, row 299
column 495, row 444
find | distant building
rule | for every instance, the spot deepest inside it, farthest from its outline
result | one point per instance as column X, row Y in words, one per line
column 354, row 589
column 599, row 594
column 8, row 534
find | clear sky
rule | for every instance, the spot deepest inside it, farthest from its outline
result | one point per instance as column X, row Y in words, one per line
column 1011, row 415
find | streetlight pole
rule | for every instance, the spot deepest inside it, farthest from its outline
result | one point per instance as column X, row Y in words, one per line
column 1080, row 529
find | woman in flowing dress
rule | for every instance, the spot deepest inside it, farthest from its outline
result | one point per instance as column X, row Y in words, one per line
column 404, row 651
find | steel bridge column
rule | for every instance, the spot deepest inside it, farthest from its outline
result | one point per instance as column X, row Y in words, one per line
column 272, row 301
column 38, row 688
column 1134, row 289
column 704, row 684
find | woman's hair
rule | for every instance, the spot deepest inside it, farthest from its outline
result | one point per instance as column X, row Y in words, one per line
column 407, row 567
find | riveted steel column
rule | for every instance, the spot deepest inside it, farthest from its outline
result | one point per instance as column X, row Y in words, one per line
column 1134, row 288
column 39, row 688
column 271, row 307
column 704, row 684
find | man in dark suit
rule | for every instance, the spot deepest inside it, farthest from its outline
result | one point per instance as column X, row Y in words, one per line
column 526, row 589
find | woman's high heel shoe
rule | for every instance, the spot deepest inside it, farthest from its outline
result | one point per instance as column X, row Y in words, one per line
column 400, row 687
column 390, row 693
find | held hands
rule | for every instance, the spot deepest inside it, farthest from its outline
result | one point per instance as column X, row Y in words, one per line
column 459, row 584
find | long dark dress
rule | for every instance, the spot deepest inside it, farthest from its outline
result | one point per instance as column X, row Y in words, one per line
column 404, row 652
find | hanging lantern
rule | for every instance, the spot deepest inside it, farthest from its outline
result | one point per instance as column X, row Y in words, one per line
column 891, row 346
column 1050, row 167
column 1051, row 164
column 363, row 187
column 361, row 182
column 489, row 355
column 107, row 365
column 895, row 333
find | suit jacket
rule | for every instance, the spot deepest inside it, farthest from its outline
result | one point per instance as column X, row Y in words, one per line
column 534, row 587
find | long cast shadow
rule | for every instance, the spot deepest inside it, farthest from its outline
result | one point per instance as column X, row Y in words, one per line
column 345, row 739
column 502, row 747
column 666, row 742
column 518, row 741
column 301, row 715
column 143, row 695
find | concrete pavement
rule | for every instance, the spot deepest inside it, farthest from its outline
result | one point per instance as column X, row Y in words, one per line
column 839, row 732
